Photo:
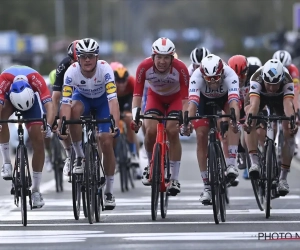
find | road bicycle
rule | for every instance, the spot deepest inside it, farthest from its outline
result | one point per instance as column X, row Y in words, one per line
column 93, row 179
column 160, row 164
column 216, row 164
column 21, row 178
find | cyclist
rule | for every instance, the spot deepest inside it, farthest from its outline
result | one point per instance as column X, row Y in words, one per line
column 24, row 89
column 253, row 60
column 244, row 71
column 56, row 95
column 89, row 84
column 214, row 82
column 273, row 86
column 125, row 85
column 196, row 57
column 167, row 79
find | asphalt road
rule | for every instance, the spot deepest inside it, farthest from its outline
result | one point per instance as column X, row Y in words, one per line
column 189, row 224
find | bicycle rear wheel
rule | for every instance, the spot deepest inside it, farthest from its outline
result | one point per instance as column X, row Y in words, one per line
column 99, row 190
column 269, row 175
column 23, row 183
column 213, row 179
column 155, row 182
column 76, row 195
column 57, row 162
column 89, row 183
column 254, row 184
column 164, row 196
column 123, row 161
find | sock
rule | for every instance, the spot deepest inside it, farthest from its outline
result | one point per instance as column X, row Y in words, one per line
column 4, row 148
column 284, row 171
column 109, row 184
column 36, row 181
column 204, row 176
column 232, row 151
column 253, row 157
column 149, row 154
column 174, row 169
column 68, row 151
column 78, row 149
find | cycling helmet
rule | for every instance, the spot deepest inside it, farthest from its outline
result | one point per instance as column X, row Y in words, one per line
column 72, row 50
column 87, row 45
column 212, row 67
column 198, row 54
column 163, row 46
column 284, row 57
column 52, row 77
column 254, row 61
column 21, row 95
column 273, row 71
column 239, row 64
column 120, row 72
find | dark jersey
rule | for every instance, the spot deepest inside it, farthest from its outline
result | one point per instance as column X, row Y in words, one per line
column 60, row 72
column 244, row 90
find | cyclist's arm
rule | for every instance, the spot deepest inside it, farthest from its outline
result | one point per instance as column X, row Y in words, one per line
column 49, row 112
column 138, row 88
column 1, row 107
column 55, row 99
column 288, row 96
column 114, row 110
column 136, row 102
column 195, row 84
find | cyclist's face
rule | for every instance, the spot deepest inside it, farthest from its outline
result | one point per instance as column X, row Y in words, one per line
column 162, row 62
column 272, row 88
column 88, row 61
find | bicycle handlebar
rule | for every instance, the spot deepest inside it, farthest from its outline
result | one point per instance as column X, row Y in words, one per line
column 43, row 119
column 187, row 119
column 87, row 119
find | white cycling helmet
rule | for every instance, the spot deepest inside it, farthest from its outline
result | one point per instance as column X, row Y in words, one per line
column 284, row 57
column 252, row 60
column 273, row 71
column 163, row 46
column 21, row 95
column 198, row 54
column 87, row 45
column 211, row 65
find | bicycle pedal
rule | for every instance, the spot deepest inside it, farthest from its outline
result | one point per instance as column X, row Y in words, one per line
column 7, row 178
column 206, row 203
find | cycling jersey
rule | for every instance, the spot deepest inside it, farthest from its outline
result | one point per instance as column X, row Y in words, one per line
column 35, row 80
column 244, row 90
column 129, row 87
column 102, row 82
column 60, row 72
column 294, row 72
column 191, row 69
column 228, row 86
column 176, row 80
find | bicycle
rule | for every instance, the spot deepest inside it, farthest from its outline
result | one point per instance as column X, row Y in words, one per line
column 93, row 179
column 21, row 178
column 160, row 164
column 269, row 171
column 123, row 157
column 216, row 165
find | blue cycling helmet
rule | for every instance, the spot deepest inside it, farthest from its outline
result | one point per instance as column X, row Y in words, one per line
column 21, row 95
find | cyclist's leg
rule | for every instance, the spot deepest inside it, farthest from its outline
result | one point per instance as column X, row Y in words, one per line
column 202, row 127
column 6, row 170
column 80, row 106
column 38, row 156
column 106, row 141
column 175, row 104
column 154, row 107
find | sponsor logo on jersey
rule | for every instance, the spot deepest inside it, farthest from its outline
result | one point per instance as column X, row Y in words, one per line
column 82, row 82
column 68, row 80
column 111, row 88
column 67, row 91
column 254, row 86
column 107, row 77
column 233, row 89
column 291, row 88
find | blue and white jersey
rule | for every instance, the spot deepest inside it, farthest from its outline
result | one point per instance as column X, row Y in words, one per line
column 103, row 82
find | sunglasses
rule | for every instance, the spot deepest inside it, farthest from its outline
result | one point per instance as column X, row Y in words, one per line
column 87, row 56
column 212, row 78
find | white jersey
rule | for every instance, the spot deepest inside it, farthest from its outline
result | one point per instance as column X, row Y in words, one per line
column 229, row 85
column 191, row 69
column 103, row 82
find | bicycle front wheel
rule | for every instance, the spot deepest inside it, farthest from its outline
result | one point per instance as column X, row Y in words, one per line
column 213, row 179
column 23, row 183
column 164, row 196
column 155, row 183
column 269, row 175
column 89, row 183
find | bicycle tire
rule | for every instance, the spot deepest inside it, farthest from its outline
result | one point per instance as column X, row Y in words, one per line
column 255, row 184
column 57, row 161
column 130, row 175
column 89, row 183
column 76, row 196
column 98, row 188
column 223, row 190
column 164, row 196
column 155, row 182
column 213, row 179
column 23, row 184
column 123, row 161
column 269, row 175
